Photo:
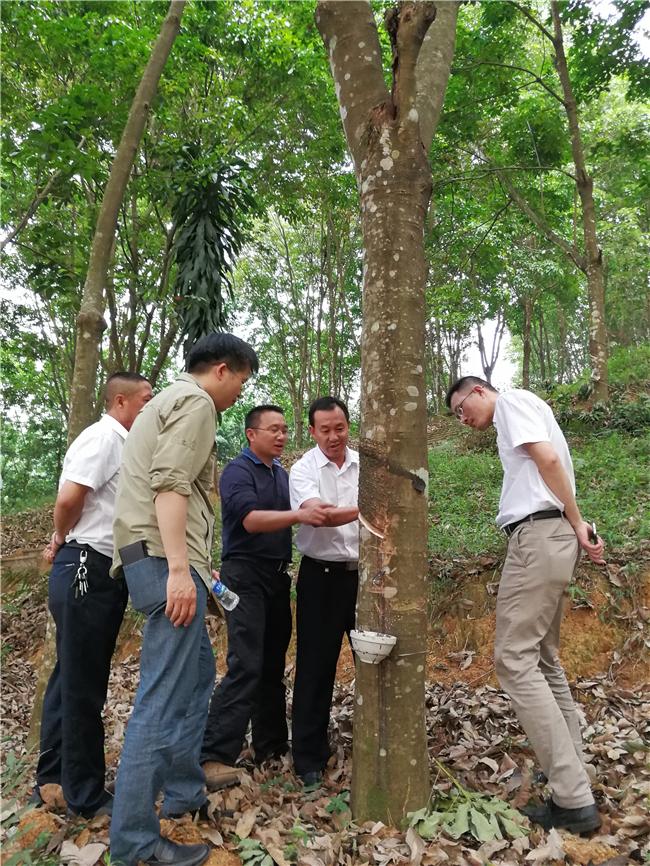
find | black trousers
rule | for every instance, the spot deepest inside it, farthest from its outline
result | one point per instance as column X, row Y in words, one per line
column 259, row 630
column 327, row 597
column 72, row 732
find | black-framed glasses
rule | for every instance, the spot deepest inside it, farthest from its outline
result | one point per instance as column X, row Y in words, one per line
column 458, row 411
column 273, row 430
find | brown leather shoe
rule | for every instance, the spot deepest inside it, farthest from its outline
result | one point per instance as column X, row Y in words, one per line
column 218, row 775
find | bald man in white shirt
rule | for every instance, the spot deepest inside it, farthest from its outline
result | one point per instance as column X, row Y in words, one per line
column 86, row 603
column 539, row 515
column 327, row 581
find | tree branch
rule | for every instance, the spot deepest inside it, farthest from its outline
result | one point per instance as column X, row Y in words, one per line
column 434, row 67
column 536, row 218
column 350, row 36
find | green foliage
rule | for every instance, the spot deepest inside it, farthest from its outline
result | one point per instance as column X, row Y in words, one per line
column 253, row 853
column 15, row 775
column 466, row 813
column 210, row 212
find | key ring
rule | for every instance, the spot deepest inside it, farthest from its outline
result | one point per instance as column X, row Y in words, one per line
column 80, row 581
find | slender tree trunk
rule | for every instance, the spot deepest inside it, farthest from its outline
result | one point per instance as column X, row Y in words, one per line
column 593, row 253
column 90, row 320
column 389, row 148
column 528, row 315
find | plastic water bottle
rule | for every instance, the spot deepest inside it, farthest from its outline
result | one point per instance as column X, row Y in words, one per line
column 226, row 597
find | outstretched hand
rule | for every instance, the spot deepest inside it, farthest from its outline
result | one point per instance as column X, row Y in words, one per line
column 315, row 515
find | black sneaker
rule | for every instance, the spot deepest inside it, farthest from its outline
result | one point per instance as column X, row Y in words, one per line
column 582, row 820
column 168, row 853
column 312, row 779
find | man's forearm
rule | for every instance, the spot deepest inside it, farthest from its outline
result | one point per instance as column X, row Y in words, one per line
column 269, row 521
column 171, row 513
column 341, row 515
column 554, row 476
column 68, row 508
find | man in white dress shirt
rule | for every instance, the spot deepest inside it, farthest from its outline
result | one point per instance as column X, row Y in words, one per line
column 86, row 603
column 539, row 515
column 327, row 580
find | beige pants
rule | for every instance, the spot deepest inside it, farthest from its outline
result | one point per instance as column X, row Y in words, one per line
column 541, row 558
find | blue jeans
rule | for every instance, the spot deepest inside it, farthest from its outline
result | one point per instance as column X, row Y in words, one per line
column 163, row 738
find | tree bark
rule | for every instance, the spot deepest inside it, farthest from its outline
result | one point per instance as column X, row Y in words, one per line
column 593, row 254
column 384, row 135
column 90, row 320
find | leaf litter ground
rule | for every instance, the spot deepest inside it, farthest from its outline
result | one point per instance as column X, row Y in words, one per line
column 474, row 741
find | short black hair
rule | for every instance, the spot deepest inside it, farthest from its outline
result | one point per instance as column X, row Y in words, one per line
column 466, row 380
column 324, row 404
column 121, row 380
column 222, row 348
column 252, row 418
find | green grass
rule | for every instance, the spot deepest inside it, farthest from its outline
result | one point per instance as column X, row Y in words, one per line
column 611, row 477
column 463, row 501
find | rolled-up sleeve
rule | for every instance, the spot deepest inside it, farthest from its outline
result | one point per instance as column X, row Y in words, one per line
column 184, row 446
column 238, row 493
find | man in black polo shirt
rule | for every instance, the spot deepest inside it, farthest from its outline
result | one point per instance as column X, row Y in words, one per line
column 256, row 520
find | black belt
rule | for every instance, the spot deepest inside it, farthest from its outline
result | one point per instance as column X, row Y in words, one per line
column 273, row 565
column 343, row 565
column 536, row 515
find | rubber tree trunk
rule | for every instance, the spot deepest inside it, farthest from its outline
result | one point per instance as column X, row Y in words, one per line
column 593, row 255
column 389, row 146
column 90, row 320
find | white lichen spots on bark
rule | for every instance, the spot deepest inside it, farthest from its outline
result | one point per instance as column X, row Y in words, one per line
column 343, row 112
column 413, row 762
column 410, row 407
column 413, row 391
column 362, row 45
column 394, row 154
column 382, row 753
column 393, row 411
column 413, row 115
column 390, row 591
column 347, row 76
column 360, row 700
column 419, row 668
column 374, row 327
column 396, row 255
column 417, row 369
column 386, row 163
column 391, row 273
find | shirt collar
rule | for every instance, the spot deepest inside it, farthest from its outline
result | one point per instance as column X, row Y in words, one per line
column 322, row 459
column 246, row 452
column 114, row 424
column 188, row 377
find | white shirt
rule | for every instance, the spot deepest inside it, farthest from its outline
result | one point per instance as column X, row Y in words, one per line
column 314, row 476
column 94, row 460
column 520, row 417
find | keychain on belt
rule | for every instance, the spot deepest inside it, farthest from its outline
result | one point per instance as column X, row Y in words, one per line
column 80, row 581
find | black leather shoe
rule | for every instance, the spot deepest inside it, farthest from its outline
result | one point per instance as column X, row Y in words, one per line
column 106, row 808
column 583, row 820
column 167, row 853
column 312, row 779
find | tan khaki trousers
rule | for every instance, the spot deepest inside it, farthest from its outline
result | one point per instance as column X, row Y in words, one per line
column 541, row 558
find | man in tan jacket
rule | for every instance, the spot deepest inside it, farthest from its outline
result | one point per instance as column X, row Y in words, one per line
column 163, row 538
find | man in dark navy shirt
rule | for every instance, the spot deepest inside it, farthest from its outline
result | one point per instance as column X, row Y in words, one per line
column 256, row 550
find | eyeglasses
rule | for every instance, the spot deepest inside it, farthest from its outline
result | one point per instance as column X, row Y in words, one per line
column 458, row 411
column 274, row 431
